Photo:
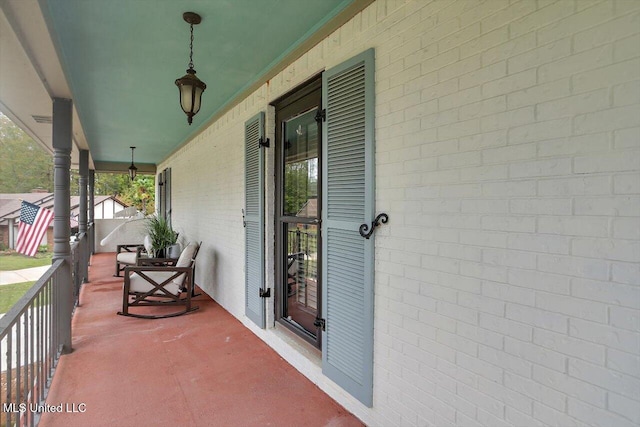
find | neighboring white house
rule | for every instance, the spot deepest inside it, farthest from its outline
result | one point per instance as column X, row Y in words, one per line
column 105, row 207
column 503, row 138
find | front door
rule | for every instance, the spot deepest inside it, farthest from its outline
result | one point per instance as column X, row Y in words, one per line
column 298, row 211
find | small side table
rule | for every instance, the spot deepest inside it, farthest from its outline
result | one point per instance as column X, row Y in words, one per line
column 156, row 262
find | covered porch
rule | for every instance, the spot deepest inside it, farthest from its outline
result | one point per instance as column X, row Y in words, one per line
column 501, row 139
column 204, row 368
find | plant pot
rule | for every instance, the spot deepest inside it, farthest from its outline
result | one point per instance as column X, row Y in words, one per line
column 174, row 251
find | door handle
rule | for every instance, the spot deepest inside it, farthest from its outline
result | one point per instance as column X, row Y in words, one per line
column 364, row 228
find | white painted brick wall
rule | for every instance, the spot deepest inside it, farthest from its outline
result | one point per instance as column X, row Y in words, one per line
column 508, row 159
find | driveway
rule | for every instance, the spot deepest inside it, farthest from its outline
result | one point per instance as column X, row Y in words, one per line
column 24, row 275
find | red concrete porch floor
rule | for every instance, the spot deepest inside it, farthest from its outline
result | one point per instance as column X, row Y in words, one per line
column 200, row 369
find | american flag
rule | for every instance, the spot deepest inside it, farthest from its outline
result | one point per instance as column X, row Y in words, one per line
column 34, row 221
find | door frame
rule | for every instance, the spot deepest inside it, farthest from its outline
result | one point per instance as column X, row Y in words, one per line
column 298, row 100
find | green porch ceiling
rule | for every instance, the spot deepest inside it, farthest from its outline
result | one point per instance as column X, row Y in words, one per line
column 121, row 58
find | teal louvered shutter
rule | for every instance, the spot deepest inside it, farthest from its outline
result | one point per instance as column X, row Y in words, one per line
column 167, row 194
column 254, row 219
column 160, row 201
column 348, row 202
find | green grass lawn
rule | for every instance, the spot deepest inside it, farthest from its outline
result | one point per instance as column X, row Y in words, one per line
column 10, row 294
column 15, row 261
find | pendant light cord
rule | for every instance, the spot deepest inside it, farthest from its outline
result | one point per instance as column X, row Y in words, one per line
column 191, row 48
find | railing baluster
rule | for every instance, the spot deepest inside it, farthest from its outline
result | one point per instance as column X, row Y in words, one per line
column 33, row 397
column 45, row 304
column 56, row 334
column 36, row 357
column 9, row 374
column 42, row 354
column 50, row 328
column 25, row 363
column 44, row 341
column 2, row 395
column 18, row 362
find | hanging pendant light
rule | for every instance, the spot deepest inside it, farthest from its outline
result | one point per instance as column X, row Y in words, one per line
column 189, row 85
column 132, row 169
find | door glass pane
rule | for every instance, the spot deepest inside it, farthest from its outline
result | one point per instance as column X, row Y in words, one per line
column 301, row 166
column 302, row 275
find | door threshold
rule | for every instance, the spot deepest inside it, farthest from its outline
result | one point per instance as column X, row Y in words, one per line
column 296, row 342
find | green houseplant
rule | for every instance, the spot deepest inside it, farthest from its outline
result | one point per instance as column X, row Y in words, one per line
column 161, row 234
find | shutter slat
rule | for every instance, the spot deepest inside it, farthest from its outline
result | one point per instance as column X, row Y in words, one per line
column 345, row 79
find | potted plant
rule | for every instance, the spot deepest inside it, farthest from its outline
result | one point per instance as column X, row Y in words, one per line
column 161, row 234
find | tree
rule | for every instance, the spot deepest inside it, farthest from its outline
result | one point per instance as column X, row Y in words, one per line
column 300, row 185
column 25, row 164
column 139, row 193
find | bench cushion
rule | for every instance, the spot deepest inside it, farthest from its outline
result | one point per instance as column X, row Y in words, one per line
column 139, row 284
column 187, row 255
column 127, row 258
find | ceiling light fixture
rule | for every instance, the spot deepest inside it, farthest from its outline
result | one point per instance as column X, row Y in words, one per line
column 132, row 169
column 190, row 86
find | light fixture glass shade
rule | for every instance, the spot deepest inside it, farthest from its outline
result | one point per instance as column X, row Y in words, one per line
column 132, row 171
column 191, row 88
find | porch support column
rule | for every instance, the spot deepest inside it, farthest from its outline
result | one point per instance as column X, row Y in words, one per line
column 92, row 226
column 11, row 227
column 62, row 139
column 83, row 182
column 82, row 185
